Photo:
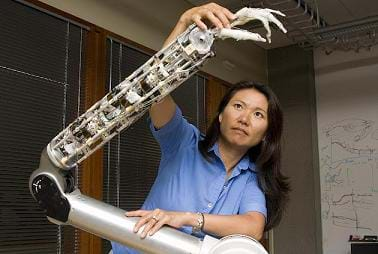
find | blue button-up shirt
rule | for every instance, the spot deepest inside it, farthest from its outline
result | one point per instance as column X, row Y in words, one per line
column 186, row 181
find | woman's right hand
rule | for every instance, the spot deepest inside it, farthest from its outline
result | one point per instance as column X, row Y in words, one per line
column 211, row 14
column 217, row 15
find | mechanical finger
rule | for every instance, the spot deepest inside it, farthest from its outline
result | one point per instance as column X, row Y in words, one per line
column 242, row 16
column 239, row 22
column 276, row 12
column 244, row 12
column 278, row 23
column 267, row 28
column 239, row 35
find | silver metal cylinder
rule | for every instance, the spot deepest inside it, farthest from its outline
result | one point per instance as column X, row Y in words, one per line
column 110, row 222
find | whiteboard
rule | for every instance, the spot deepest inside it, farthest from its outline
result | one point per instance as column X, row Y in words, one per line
column 347, row 118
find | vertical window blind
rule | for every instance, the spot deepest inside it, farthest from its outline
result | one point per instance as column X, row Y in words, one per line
column 40, row 93
column 131, row 160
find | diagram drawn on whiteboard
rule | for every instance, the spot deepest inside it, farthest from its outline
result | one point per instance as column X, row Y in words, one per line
column 349, row 174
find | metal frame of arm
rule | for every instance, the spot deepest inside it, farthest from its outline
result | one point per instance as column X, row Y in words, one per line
column 52, row 183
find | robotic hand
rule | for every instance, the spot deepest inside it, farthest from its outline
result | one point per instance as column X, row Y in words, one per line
column 52, row 183
column 264, row 15
column 244, row 16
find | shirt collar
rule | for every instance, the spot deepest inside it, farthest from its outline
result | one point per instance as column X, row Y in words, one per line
column 244, row 164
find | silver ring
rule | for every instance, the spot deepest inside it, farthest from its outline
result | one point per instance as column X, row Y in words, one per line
column 155, row 218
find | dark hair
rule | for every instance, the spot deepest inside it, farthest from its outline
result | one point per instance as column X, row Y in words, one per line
column 266, row 155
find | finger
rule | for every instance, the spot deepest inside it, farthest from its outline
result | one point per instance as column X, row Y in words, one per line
column 223, row 18
column 229, row 14
column 276, row 12
column 241, row 12
column 255, row 37
column 267, row 27
column 217, row 8
column 278, row 23
column 136, row 213
column 157, row 226
column 197, row 19
column 147, row 228
column 258, row 37
column 236, row 22
column 240, row 35
column 213, row 19
column 145, row 219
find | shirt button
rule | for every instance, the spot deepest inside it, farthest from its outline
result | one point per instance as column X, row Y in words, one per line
column 224, row 186
column 210, row 205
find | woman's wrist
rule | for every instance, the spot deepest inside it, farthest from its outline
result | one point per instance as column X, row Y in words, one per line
column 191, row 219
column 196, row 221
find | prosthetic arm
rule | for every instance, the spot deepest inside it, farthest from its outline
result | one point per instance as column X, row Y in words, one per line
column 52, row 183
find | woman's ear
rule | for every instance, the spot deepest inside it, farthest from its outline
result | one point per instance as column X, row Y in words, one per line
column 220, row 117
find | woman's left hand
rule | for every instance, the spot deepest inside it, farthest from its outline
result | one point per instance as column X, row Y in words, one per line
column 153, row 220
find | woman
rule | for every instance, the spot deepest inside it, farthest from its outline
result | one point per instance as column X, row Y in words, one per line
column 228, row 182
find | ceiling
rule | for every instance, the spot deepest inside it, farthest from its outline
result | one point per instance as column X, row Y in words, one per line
column 342, row 24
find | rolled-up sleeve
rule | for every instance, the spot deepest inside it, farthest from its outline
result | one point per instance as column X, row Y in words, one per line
column 253, row 199
column 176, row 132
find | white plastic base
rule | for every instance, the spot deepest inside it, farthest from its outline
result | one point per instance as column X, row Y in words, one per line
column 234, row 244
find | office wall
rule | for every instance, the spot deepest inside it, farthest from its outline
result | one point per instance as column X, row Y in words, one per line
column 148, row 22
column 347, row 106
column 290, row 73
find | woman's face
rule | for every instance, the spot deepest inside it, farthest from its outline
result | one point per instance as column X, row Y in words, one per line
column 244, row 120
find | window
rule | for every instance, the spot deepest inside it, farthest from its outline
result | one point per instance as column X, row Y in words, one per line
column 40, row 93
